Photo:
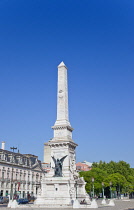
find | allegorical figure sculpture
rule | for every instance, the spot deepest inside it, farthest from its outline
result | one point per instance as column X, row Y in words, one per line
column 58, row 166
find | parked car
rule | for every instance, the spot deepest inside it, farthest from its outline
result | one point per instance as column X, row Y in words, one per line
column 1, row 201
column 32, row 199
column 4, row 199
column 22, row 200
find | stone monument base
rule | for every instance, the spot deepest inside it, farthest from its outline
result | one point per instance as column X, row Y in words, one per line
column 55, row 191
column 60, row 191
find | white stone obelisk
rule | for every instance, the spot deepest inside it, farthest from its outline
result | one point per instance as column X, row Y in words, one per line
column 62, row 96
column 62, row 128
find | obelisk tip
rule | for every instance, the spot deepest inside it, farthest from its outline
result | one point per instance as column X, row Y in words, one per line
column 62, row 64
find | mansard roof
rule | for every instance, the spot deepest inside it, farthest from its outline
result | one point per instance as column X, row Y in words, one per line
column 23, row 160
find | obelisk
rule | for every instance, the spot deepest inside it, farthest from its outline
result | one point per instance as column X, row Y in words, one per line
column 62, row 96
column 62, row 128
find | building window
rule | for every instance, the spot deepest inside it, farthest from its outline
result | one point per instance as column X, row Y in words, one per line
column 6, row 192
column 3, row 157
column 32, row 176
column 37, row 177
column 2, row 174
column 26, row 161
column 21, row 161
column 7, row 185
column 1, row 193
column 7, row 174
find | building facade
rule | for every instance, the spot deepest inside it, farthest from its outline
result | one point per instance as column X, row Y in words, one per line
column 80, row 166
column 20, row 174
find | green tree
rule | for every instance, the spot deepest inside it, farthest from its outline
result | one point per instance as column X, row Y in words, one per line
column 119, row 173
column 123, row 168
column 98, row 175
column 130, row 184
column 118, row 181
column 112, row 167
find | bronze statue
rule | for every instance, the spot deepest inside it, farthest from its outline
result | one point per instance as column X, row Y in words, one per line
column 58, row 166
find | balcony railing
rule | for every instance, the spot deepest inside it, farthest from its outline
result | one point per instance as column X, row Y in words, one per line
column 19, row 181
column 15, row 181
column 23, row 181
column 37, row 182
column 7, row 180
column 4, row 179
column 32, row 182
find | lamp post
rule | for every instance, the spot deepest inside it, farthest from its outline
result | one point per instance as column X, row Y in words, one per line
column 119, row 190
column 110, row 190
column 93, row 185
column 11, row 192
column 13, row 148
column 103, row 189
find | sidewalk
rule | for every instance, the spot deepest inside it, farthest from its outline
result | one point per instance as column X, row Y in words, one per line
column 119, row 205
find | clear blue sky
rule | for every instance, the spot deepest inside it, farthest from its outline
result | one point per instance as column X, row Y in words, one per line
column 95, row 39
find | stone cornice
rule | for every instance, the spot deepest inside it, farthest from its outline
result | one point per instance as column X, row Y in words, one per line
column 61, row 143
column 60, row 127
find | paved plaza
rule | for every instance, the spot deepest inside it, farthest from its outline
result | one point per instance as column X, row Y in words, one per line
column 119, row 205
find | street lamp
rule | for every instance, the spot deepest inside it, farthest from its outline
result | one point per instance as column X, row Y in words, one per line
column 11, row 192
column 110, row 189
column 102, row 189
column 119, row 189
column 93, row 185
column 13, row 148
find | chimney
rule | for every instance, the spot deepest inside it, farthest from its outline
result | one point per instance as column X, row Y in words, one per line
column 3, row 145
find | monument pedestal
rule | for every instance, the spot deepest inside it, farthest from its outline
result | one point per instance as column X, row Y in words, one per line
column 60, row 191
column 55, row 191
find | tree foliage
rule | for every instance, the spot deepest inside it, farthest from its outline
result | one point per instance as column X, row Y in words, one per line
column 117, row 175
